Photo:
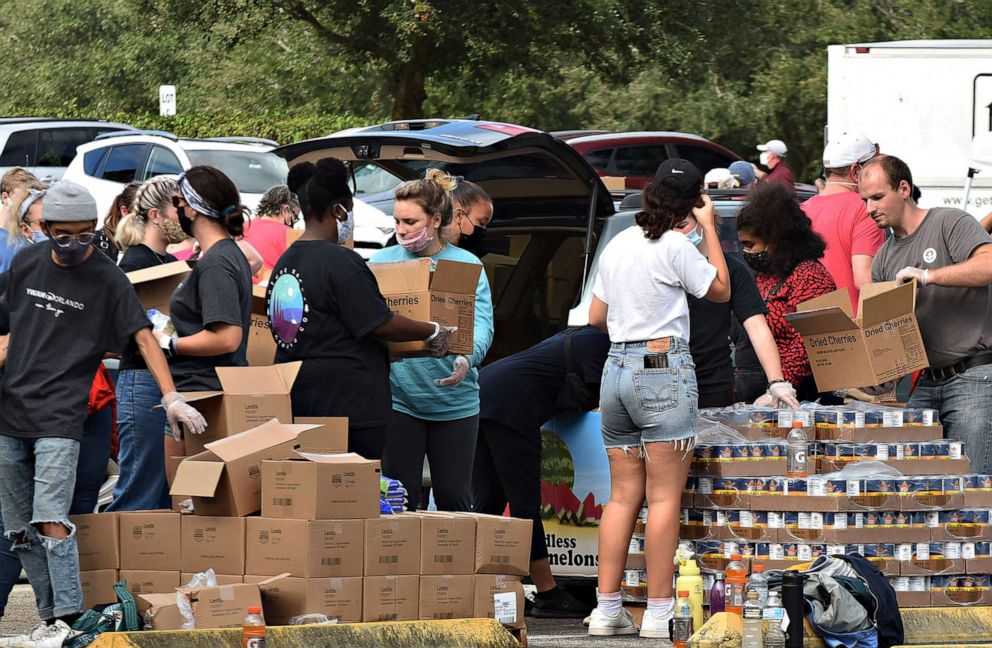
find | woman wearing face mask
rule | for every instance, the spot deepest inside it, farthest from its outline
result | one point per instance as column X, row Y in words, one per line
column 473, row 211
column 16, row 188
column 106, row 238
column 435, row 401
column 342, row 341
column 710, row 323
column 29, row 216
column 143, row 234
column 267, row 232
column 779, row 244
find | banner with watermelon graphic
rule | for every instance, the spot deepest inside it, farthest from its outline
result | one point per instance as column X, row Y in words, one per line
column 575, row 485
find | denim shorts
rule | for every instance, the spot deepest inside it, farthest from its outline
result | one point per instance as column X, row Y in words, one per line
column 644, row 405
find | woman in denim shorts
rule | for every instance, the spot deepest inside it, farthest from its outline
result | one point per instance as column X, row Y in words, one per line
column 648, row 395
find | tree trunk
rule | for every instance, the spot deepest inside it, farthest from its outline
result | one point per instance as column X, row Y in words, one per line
column 408, row 80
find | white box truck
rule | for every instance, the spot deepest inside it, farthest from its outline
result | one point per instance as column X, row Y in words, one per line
column 928, row 102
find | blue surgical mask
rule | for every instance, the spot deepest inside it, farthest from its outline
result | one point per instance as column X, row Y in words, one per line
column 346, row 227
column 38, row 237
column 695, row 237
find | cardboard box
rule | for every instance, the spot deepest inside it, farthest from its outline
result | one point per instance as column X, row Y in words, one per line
column 250, row 396
column 321, row 486
column 160, row 611
column 150, row 540
column 391, row 598
column 338, row 598
column 98, row 539
column 905, row 434
column 506, row 593
column 447, row 544
column 302, row 548
column 446, row 296
column 222, row 579
column 261, row 345
column 225, row 606
column 913, row 599
column 225, row 479
column 914, row 467
column 392, row 545
column 156, row 284
column 140, row 581
column 335, row 430
column 614, row 183
column 447, row 597
column 98, row 587
column 882, row 343
column 502, row 544
column 216, row 543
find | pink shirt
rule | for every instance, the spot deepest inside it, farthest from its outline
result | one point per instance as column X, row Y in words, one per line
column 269, row 238
column 843, row 222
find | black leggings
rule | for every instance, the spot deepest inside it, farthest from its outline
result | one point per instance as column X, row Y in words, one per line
column 449, row 447
column 508, row 470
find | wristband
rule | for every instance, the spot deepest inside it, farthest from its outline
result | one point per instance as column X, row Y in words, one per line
column 174, row 345
column 433, row 336
column 776, row 382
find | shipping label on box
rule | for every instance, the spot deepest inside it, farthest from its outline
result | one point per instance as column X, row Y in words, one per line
column 224, row 606
column 216, row 543
column 321, row 486
column 446, row 296
column 499, row 597
column 338, row 598
column 392, row 545
column 391, row 598
column 882, row 343
column 502, row 544
column 447, row 597
column 150, row 540
column 98, row 539
column 98, row 587
column 447, row 544
column 140, row 581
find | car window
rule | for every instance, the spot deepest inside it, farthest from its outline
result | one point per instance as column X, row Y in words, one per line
column 251, row 172
column 57, row 146
column 373, row 179
column 20, row 148
column 91, row 161
column 599, row 159
column 704, row 158
column 639, row 160
column 123, row 162
column 161, row 161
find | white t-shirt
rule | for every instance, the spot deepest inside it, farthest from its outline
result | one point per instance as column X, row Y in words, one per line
column 644, row 282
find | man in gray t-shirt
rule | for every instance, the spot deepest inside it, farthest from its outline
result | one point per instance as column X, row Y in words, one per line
column 950, row 255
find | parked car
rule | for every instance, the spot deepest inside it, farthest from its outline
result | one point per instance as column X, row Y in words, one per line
column 45, row 147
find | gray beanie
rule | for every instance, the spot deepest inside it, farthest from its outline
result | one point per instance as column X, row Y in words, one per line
column 68, row 202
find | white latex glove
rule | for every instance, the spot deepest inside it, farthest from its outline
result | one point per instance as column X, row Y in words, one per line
column 878, row 390
column 765, row 400
column 458, row 373
column 439, row 344
column 909, row 273
column 785, row 394
column 177, row 410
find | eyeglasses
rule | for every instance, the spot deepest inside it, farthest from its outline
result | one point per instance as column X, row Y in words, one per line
column 177, row 202
column 65, row 240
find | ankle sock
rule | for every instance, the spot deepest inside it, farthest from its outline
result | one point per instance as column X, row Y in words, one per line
column 660, row 607
column 610, row 604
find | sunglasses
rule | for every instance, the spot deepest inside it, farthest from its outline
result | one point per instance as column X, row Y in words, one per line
column 65, row 240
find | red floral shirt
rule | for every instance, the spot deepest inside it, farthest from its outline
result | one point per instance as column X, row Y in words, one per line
column 809, row 279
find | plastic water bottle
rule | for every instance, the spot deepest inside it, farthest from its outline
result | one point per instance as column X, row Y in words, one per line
column 690, row 581
column 736, row 582
column 774, row 613
column 253, row 633
column 797, row 454
column 718, row 594
column 753, row 623
column 682, row 626
column 759, row 583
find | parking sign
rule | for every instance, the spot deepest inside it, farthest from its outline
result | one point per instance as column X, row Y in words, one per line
column 167, row 100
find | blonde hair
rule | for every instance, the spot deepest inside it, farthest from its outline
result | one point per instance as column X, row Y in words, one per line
column 432, row 194
column 156, row 193
column 15, row 183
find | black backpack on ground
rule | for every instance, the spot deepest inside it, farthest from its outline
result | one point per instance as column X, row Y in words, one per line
column 888, row 620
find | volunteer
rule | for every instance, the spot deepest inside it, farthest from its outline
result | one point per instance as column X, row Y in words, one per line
column 779, row 244
column 277, row 212
column 648, row 395
column 106, row 238
column 472, row 213
column 342, row 340
column 435, row 400
column 146, row 231
column 16, row 187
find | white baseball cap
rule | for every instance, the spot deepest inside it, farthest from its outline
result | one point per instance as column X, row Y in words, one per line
column 777, row 147
column 720, row 179
column 847, row 149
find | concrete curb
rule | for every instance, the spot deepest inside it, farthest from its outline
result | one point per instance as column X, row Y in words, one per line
column 457, row 633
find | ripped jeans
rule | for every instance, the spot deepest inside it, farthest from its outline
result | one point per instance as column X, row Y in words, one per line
column 644, row 405
column 37, row 477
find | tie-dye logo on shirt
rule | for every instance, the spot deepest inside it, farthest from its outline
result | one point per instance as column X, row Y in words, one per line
column 287, row 308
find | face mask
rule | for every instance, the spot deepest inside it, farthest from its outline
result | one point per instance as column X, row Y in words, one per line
column 695, row 237
column 472, row 242
column 185, row 222
column 346, row 227
column 417, row 241
column 72, row 254
column 758, row 261
column 763, row 158
column 38, row 237
column 172, row 231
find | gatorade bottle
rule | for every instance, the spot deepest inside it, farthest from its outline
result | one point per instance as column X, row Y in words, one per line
column 682, row 621
column 690, row 581
column 253, row 634
column 736, row 582
column 797, row 454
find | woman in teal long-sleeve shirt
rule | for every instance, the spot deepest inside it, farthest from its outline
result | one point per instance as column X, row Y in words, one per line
column 435, row 401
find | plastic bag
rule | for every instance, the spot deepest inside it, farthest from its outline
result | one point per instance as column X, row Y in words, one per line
column 311, row 619
column 203, row 579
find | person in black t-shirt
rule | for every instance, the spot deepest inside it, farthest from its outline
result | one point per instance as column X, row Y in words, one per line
column 325, row 309
column 65, row 306
column 709, row 343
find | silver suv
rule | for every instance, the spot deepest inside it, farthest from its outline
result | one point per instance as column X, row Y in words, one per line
column 46, row 146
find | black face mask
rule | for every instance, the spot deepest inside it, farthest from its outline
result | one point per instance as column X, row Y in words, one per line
column 472, row 242
column 185, row 221
column 758, row 261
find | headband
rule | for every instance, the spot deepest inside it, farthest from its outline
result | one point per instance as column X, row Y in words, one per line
column 33, row 196
column 197, row 202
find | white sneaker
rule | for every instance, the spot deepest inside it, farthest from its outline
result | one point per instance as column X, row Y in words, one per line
column 16, row 640
column 603, row 625
column 586, row 621
column 653, row 628
column 45, row 636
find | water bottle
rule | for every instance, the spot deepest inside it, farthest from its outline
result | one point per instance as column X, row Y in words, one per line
column 753, row 624
column 796, row 455
column 682, row 627
column 792, row 600
column 759, row 583
column 736, row 582
column 774, row 613
column 718, row 594
column 690, row 581
column 253, row 633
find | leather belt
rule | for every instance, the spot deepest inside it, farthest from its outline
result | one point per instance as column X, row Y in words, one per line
column 960, row 366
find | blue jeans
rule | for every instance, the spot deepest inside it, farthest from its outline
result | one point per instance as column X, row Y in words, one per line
column 142, row 484
column 37, row 477
column 644, row 405
column 94, row 453
column 965, row 406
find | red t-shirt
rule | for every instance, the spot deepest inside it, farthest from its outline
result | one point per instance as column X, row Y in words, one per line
column 843, row 222
column 782, row 173
column 269, row 238
column 809, row 279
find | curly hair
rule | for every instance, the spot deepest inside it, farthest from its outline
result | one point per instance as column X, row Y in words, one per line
column 774, row 216
column 662, row 213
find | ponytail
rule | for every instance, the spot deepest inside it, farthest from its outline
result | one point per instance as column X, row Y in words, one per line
column 432, row 194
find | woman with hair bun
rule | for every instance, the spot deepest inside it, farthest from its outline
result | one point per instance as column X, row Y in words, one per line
column 649, row 395
column 325, row 309
column 435, row 400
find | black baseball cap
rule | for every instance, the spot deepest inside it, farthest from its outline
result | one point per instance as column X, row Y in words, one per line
column 678, row 178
